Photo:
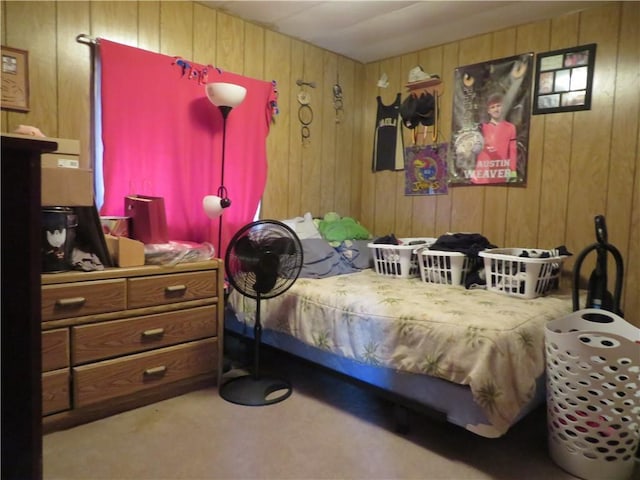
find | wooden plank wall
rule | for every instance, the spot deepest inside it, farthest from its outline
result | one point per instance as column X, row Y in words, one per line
column 580, row 164
column 316, row 177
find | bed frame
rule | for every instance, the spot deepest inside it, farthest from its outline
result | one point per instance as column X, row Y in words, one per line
column 293, row 322
column 433, row 397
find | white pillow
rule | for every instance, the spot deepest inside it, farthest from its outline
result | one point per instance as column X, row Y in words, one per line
column 303, row 226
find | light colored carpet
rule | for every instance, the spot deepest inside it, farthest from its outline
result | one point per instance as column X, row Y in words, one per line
column 327, row 429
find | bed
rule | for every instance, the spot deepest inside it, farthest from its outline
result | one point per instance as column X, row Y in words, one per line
column 476, row 357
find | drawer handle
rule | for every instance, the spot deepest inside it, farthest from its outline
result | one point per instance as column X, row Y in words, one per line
column 155, row 371
column 154, row 332
column 71, row 302
column 176, row 288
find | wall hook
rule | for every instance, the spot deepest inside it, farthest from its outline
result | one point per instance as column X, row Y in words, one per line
column 302, row 82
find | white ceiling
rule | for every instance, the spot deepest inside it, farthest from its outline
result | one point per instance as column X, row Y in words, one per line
column 368, row 31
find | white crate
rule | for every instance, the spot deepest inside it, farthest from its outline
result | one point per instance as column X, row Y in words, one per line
column 524, row 277
column 449, row 268
column 399, row 261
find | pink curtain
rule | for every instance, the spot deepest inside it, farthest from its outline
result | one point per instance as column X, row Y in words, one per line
column 162, row 136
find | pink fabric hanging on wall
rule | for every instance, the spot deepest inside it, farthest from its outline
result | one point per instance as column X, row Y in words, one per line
column 163, row 137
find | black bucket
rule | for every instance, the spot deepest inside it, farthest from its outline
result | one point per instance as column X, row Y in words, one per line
column 58, row 235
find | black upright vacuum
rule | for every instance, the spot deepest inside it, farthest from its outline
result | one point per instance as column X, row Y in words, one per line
column 598, row 295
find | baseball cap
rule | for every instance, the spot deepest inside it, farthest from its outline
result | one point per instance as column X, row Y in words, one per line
column 383, row 82
column 416, row 110
column 417, row 74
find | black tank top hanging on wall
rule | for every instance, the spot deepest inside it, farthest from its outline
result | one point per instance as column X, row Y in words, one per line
column 388, row 145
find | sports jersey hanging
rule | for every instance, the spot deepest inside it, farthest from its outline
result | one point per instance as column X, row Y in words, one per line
column 490, row 127
column 388, row 144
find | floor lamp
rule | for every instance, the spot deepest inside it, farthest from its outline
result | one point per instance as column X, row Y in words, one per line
column 225, row 96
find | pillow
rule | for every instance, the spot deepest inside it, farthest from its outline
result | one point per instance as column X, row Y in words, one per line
column 304, row 227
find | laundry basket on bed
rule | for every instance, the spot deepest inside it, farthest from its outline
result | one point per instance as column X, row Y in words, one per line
column 444, row 267
column 399, row 261
column 593, row 400
column 510, row 272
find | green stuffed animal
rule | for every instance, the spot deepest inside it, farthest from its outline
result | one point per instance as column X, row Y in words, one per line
column 336, row 229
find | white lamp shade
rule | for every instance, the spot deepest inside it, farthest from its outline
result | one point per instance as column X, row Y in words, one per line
column 225, row 94
column 212, row 206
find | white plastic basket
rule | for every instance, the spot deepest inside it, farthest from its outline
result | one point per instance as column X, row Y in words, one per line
column 398, row 261
column 448, row 268
column 593, row 404
column 525, row 277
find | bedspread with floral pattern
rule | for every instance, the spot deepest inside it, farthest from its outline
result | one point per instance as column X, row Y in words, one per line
column 491, row 342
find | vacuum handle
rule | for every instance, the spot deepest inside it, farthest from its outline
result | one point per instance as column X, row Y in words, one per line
column 617, row 293
column 601, row 230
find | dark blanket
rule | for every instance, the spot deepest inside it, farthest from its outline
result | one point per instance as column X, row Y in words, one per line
column 470, row 244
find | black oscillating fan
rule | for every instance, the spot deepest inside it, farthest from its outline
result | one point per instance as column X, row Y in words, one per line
column 263, row 260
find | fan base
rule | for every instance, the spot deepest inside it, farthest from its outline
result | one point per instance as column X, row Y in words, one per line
column 255, row 391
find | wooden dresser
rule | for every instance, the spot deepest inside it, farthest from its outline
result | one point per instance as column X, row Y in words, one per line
column 116, row 339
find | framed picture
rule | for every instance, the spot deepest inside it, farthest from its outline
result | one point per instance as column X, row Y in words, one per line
column 15, row 79
column 564, row 80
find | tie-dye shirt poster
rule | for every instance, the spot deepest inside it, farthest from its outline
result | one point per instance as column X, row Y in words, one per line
column 490, row 122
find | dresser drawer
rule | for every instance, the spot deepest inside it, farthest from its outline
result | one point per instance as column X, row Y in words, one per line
column 121, row 337
column 102, row 381
column 82, row 298
column 163, row 289
column 55, row 391
column 55, row 349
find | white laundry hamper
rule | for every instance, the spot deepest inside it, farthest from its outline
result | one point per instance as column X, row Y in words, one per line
column 593, row 394
column 400, row 261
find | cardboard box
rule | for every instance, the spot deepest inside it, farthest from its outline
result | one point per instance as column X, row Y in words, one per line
column 60, row 160
column 67, row 187
column 68, row 149
column 68, row 152
column 67, row 180
column 66, row 145
column 125, row 251
column 67, row 155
